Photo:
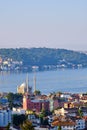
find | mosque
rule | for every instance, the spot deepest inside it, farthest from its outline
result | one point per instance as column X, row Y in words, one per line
column 25, row 88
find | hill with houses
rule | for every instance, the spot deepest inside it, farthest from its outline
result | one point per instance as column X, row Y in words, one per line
column 42, row 58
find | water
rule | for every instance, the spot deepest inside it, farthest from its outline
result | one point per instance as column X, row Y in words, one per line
column 65, row 80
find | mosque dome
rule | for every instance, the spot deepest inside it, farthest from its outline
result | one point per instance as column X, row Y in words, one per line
column 23, row 85
column 22, row 88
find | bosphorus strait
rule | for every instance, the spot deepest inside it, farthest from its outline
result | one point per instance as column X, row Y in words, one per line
column 65, row 80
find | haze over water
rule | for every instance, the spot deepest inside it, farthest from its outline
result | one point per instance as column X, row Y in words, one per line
column 65, row 80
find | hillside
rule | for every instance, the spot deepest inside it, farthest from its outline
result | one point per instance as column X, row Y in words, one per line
column 45, row 56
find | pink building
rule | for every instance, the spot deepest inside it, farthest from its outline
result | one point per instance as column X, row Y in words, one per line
column 35, row 105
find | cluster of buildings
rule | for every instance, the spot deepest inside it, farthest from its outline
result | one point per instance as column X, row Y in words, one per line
column 8, row 64
column 67, row 111
column 5, row 117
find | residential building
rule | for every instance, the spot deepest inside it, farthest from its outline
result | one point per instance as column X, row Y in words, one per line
column 65, row 124
column 35, row 104
column 5, row 117
column 80, row 122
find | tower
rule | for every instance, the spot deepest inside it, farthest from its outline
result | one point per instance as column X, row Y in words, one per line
column 25, row 102
column 34, row 82
column 27, row 82
column 28, row 88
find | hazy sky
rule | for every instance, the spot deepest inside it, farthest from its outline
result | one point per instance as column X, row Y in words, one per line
column 43, row 23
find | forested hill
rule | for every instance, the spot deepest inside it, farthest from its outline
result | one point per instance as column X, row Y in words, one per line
column 45, row 56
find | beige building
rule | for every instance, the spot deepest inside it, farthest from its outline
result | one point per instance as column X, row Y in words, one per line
column 24, row 88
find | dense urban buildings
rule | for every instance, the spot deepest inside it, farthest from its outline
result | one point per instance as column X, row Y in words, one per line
column 66, row 110
column 53, row 111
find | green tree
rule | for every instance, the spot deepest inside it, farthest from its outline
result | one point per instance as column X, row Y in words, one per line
column 45, row 122
column 37, row 92
column 8, row 126
column 41, row 116
column 18, row 119
column 43, row 112
column 14, row 97
column 59, row 128
column 27, row 125
column 10, row 98
column 80, row 112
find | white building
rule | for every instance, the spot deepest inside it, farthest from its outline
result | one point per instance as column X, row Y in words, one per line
column 18, row 111
column 80, row 124
column 38, row 128
column 5, row 117
column 61, row 111
column 24, row 87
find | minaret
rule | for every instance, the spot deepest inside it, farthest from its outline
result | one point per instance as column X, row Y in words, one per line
column 34, row 83
column 27, row 81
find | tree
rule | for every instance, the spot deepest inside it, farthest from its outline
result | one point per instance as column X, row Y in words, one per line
column 18, row 119
column 59, row 128
column 41, row 118
column 12, row 97
column 27, row 125
column 8, row 126
column 37, row 92
column 43, row 111
column 80, row 112
column 45, row 122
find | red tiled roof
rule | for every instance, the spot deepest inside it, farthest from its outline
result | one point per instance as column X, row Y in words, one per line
column 63, row 123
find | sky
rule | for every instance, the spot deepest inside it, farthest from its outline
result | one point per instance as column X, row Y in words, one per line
column 43, row 23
